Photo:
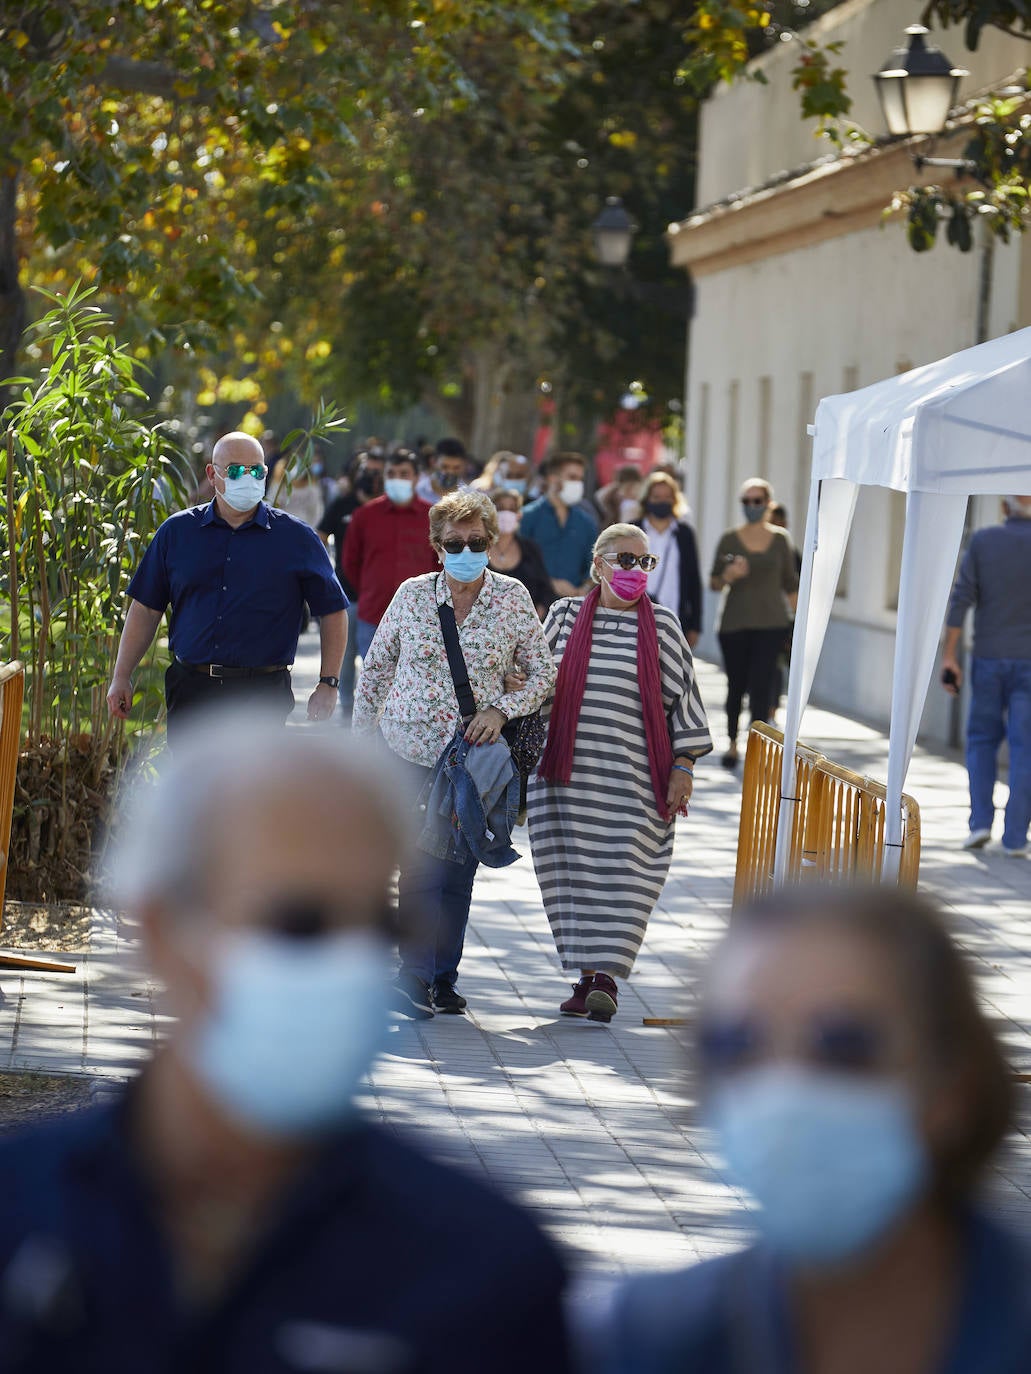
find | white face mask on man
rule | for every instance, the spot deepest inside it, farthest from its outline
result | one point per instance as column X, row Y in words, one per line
column 571, row 493
column 244, row 492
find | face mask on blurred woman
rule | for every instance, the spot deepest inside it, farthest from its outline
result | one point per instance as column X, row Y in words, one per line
column 833, row 1159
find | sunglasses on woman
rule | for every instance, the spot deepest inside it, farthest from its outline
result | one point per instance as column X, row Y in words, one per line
column 647, row 562
column 477, row 544
column 236, row 470
column 839, row 1044
column 754, row 501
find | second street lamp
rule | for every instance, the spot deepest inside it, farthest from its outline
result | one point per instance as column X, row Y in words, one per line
column 917, row 87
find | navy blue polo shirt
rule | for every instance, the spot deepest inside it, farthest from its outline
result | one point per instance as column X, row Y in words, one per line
column 377, row 1258
column 236, row 594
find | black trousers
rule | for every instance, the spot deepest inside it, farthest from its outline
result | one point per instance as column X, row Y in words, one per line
column 750, row 661
column 188, row 693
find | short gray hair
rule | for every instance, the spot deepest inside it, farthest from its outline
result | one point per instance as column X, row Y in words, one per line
column 161, row 845
column 457, row 507
column 612, row 534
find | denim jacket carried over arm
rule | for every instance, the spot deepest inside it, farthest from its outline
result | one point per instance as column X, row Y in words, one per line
column 470, row 804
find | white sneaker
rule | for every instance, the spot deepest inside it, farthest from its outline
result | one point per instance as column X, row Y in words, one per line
column 977, row 839
column 1020, row 853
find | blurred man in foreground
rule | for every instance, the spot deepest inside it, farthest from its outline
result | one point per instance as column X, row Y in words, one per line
column 234, row 1211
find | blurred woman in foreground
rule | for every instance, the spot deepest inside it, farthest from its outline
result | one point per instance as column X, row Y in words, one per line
column 858, row 1093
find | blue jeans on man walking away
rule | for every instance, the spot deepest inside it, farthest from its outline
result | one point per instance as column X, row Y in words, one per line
column 434, row 897
column 1000, row 707
column 365, row 634
column 349, row 667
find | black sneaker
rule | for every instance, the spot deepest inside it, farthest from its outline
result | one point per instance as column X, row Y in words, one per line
column 411, row 997
column 447, row 999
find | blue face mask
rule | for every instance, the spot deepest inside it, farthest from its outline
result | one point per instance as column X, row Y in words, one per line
column 399, row 490
column 294, row 1027
column 465, row 566
column 832, row 1160
column 515, row 484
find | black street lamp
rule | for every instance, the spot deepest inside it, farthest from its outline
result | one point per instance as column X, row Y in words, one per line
column 917, row 87
column 613, row 232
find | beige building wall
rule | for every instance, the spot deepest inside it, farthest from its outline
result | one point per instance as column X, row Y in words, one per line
column 803, row 293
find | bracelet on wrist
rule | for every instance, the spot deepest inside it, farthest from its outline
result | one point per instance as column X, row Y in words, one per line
column 681, row 769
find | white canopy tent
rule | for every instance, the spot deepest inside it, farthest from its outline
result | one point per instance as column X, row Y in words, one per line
column 940, row 433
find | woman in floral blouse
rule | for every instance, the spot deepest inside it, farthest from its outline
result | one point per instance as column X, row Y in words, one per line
column 406, row 689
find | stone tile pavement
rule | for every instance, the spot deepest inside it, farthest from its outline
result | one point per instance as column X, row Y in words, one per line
column 592, row 1126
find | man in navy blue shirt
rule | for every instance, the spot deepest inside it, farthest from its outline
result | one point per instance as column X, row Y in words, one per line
column 236, row 574
column 234, row 1212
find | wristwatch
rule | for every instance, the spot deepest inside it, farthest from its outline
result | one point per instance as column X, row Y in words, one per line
column 330, row 680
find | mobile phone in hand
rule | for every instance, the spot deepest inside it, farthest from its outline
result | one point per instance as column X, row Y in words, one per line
column 950, row 681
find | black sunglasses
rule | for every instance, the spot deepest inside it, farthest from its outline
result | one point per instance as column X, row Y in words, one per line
column 236, row 470
column 842, row 1044
column 647, row 562
column 475, row 545
column 311, row 918
column 754, row 501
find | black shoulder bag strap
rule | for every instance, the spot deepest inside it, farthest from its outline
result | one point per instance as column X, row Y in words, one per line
column 456, row 661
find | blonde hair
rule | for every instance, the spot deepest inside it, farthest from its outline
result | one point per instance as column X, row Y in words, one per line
column 654, row 479
column 759, row 482
column 612, row 535
column 457, row 507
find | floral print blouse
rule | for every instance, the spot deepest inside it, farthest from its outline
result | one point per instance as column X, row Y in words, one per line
column 406, row 688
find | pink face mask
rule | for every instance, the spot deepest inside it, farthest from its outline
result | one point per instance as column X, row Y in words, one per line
column 628, row 583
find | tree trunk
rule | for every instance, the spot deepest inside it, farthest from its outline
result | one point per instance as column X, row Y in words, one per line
column 12, row 298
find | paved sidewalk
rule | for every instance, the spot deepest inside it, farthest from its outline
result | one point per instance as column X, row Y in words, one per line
column 592, row 1126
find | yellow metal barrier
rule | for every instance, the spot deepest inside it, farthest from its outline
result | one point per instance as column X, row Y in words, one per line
column 838, row 827
column 12, row 686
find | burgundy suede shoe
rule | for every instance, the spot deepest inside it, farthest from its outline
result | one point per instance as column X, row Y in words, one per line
column 602, row 998
column 577, row 1004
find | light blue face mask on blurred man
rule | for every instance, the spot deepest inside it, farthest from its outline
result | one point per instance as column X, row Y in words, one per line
column 295, row 1025
column 833, row 1160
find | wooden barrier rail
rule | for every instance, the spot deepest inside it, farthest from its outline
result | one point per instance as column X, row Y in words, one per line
column 12, row 686
column 838, row 828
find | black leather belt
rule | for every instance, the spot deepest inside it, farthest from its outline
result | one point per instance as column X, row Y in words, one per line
column 226, row 670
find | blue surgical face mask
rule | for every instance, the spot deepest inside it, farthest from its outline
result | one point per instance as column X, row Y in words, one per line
column 515, row 484
column 753, row 514
column 833, row 1160
column 399, row 490
column 465, row 566
column 294, row 1027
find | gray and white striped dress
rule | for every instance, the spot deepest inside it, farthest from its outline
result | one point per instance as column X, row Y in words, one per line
column 600, row 849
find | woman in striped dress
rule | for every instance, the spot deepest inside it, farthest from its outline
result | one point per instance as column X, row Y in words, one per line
column 625, row 729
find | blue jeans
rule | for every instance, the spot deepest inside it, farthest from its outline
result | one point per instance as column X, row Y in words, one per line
column 349, row 667
column 434, row 896
column 364, row 636
column 1000, row 706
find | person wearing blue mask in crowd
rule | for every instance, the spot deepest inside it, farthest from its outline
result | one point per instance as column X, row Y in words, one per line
column 235, row 575
column 857, row 1092
column 755, row 566
column 408, row 693
column 235, row 1209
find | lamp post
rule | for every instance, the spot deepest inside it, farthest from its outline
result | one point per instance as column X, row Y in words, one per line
column 917, row 88
column 613, row 232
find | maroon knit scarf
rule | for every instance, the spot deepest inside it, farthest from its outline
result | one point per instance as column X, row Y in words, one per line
column 557, row 763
